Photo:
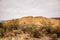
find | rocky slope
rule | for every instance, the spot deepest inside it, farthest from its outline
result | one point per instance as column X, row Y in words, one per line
column 38, row 28
column 38, row 20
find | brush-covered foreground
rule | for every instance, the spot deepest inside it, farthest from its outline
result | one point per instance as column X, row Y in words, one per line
column 30, row 28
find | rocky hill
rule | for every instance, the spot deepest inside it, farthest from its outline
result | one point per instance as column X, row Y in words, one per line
column 35, row 27
column 38, row 20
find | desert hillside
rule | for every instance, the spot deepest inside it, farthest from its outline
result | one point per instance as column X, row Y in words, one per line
column 38, row 20
column 35, row 27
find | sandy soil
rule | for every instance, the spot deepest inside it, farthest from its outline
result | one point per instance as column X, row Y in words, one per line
column 25, row 37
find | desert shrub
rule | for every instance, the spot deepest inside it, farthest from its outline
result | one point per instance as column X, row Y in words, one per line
column 1, row 25
column 27, row 30
column 53, row 37
column 48, row 29
column 7, row 28
column 36, row 33
column 45, row 30
column 1, row 32
column 32, row 31
column 53, row 30
column 57, row 31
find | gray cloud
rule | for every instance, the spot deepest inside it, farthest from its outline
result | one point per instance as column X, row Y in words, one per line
column 17, row 8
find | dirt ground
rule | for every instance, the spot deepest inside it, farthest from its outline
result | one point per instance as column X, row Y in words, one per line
column 26, row 37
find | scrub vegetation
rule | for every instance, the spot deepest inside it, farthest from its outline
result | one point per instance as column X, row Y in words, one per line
column 37, row 27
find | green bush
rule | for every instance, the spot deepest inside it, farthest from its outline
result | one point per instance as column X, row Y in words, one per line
column 27, row 29
column 36, row 34
column 53, row 37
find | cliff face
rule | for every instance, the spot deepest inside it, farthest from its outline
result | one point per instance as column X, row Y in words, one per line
column 38, row 20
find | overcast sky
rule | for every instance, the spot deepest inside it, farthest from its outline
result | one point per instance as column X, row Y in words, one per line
column 10, row 9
